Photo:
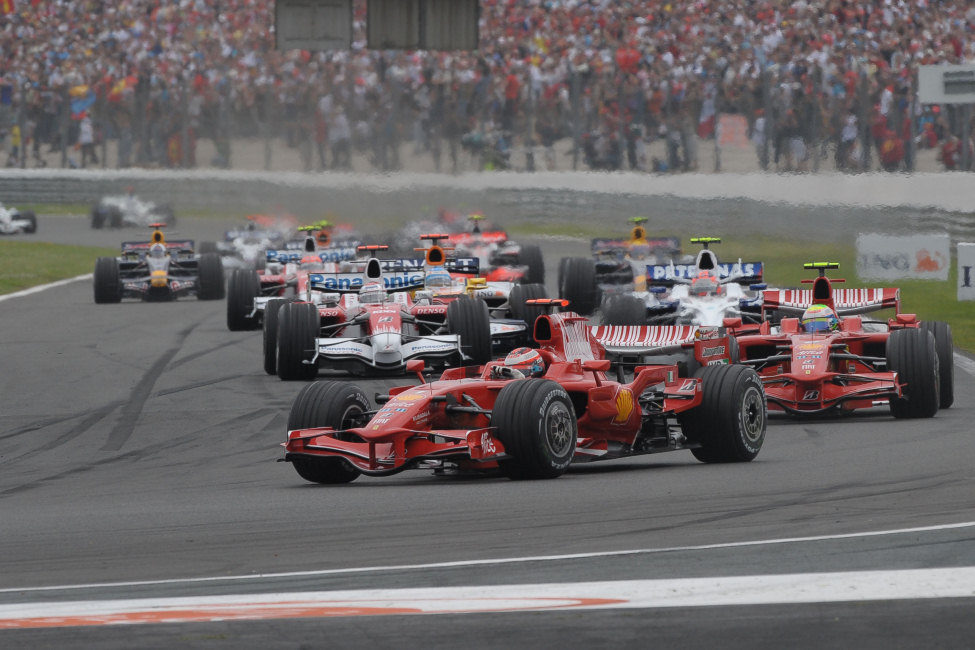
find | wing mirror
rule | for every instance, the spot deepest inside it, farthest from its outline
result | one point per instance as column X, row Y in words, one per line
column 417, row 366
column 731, row 323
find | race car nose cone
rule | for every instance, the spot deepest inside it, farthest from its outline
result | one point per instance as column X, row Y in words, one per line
column 158, row 279
column 387, row 348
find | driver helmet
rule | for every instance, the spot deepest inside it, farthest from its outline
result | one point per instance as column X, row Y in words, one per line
column 525, row 362
column 819, row 318
column 640, row 251
column 438, row 279
column 705, row 284
column 311, row 263
column 372, row 293
column 157, row 251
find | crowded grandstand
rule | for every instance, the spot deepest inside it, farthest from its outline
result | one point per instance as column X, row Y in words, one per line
column 556, row 84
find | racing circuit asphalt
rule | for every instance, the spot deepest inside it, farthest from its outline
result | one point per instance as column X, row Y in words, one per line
column 138, row 444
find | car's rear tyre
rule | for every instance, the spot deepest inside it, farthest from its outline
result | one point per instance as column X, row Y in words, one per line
column 563, row 263
column 98, row 214
column 114, row 217
column 625, row 310
column 270, row 327
column 207, row 247
column 107, row 283
column 730, row 423
column 579, row 285
column 298, row 327
column 327, row 404
column 945, row 348
column 165, row 214
column 530, row 255
column 242, row 288
column 528, row 313
column 31, row 219
column 211, row 277
column 536, row 422
column 469, row 318
column 911, row 354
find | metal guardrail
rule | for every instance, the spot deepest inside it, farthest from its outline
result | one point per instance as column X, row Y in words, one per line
column 557, row 199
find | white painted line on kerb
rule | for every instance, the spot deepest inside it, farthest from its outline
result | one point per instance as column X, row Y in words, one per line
column 45, row 287
column 966, row 364
column 496, row 561
column 854, row 586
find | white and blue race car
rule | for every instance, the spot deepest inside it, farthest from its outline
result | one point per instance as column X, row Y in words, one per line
column 703, row 293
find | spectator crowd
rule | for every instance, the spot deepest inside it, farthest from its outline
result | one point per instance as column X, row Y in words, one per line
column 612, row 80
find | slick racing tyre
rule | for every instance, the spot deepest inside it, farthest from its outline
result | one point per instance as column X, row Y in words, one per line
column 625, row 310
column 115, row 217
column 31, row 219
column 528, row 313
column 242, row 288
column 108, row 285
column 207, row 247
column 298, row 327
column 537, row 424
column 211, row 277
column 531, row 256
column 469, row 318
column 563, row 263
column 98, row 215
column 165, row 214
column 271, row 311
column 944, row 346
column 579, row 285
column 912, row 355
column 327, row 404
column 730, row 423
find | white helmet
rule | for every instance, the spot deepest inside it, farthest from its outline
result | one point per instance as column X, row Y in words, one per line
column 372, row 293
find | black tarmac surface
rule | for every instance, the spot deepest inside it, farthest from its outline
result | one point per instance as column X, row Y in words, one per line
column 138, row 443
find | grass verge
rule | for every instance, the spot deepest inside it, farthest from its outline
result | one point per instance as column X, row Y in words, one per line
column 28, row 264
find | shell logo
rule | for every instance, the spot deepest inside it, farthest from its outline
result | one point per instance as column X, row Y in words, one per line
column 624, row 405
column 408, row 397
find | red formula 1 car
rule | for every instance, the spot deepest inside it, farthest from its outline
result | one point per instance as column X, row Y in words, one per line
column 501, row 259
column 531, row 427
column 855, row 363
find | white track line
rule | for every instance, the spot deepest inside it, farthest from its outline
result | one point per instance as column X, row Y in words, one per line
column 854, row 586
column 966, row 364
column 496, row 561
column 45, row 287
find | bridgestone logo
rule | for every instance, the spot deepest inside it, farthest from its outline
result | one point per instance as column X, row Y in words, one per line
column 711, row 352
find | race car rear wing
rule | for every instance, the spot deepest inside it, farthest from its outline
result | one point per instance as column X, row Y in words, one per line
column 230, row 235
column 710, row 344
column 352, row 282
column 345, row 242
column 644, row 339
column 658, row 245
column 461, row 265
column 667, row 275
column 846, row 302
column 489, row 236
column 172, row 245
column 325, row 255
